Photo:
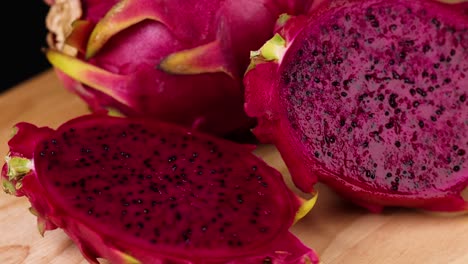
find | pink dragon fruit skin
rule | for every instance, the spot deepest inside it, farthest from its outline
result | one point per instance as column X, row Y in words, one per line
column 369, row 97
column 138, row 191
column 178, row 61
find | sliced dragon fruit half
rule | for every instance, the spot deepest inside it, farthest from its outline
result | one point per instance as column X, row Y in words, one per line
column 139, row 191
column 369, row 97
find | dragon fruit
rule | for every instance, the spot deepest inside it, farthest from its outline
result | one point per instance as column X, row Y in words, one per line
column 369, row 97
column 180, row 61
column 139, row 191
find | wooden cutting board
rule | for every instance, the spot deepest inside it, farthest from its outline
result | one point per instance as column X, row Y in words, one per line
column 339, row 231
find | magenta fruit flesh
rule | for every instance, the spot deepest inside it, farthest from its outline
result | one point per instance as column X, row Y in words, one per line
column 137, row 191
column 369, row 97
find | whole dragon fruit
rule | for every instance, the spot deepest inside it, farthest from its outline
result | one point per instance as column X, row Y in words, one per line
column 369, row 97
column 180, row 61
column 138, row 191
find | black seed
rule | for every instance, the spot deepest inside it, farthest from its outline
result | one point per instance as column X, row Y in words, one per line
column 397, row 144
column 344, row 94
column 421, row 124
column 402, row 55
column 362, row 96
column 433, row 118
column 449, row 159
column 172, row 159
column 421, row 92
column 240, row 199
column 389, row 125
column 461, row 152
column 462, row 98
column 178, row 216
column 426, row 48
column 456, row 168
column 342, row 122
column 389, row 174
column 337, row 61
column 392, row 100
column 436, row 22
column 186, row 235
column 415, row 103
column 452, row 52
column 370, row 17
column 381, row 97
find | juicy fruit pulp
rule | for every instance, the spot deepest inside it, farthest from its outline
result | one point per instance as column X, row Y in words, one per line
column 180, row 61
column 145, row 191
column 371, row 96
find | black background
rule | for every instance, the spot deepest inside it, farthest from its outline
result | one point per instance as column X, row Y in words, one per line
column 23, row 37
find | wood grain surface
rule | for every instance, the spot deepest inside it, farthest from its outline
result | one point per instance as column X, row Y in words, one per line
column 339, row 231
